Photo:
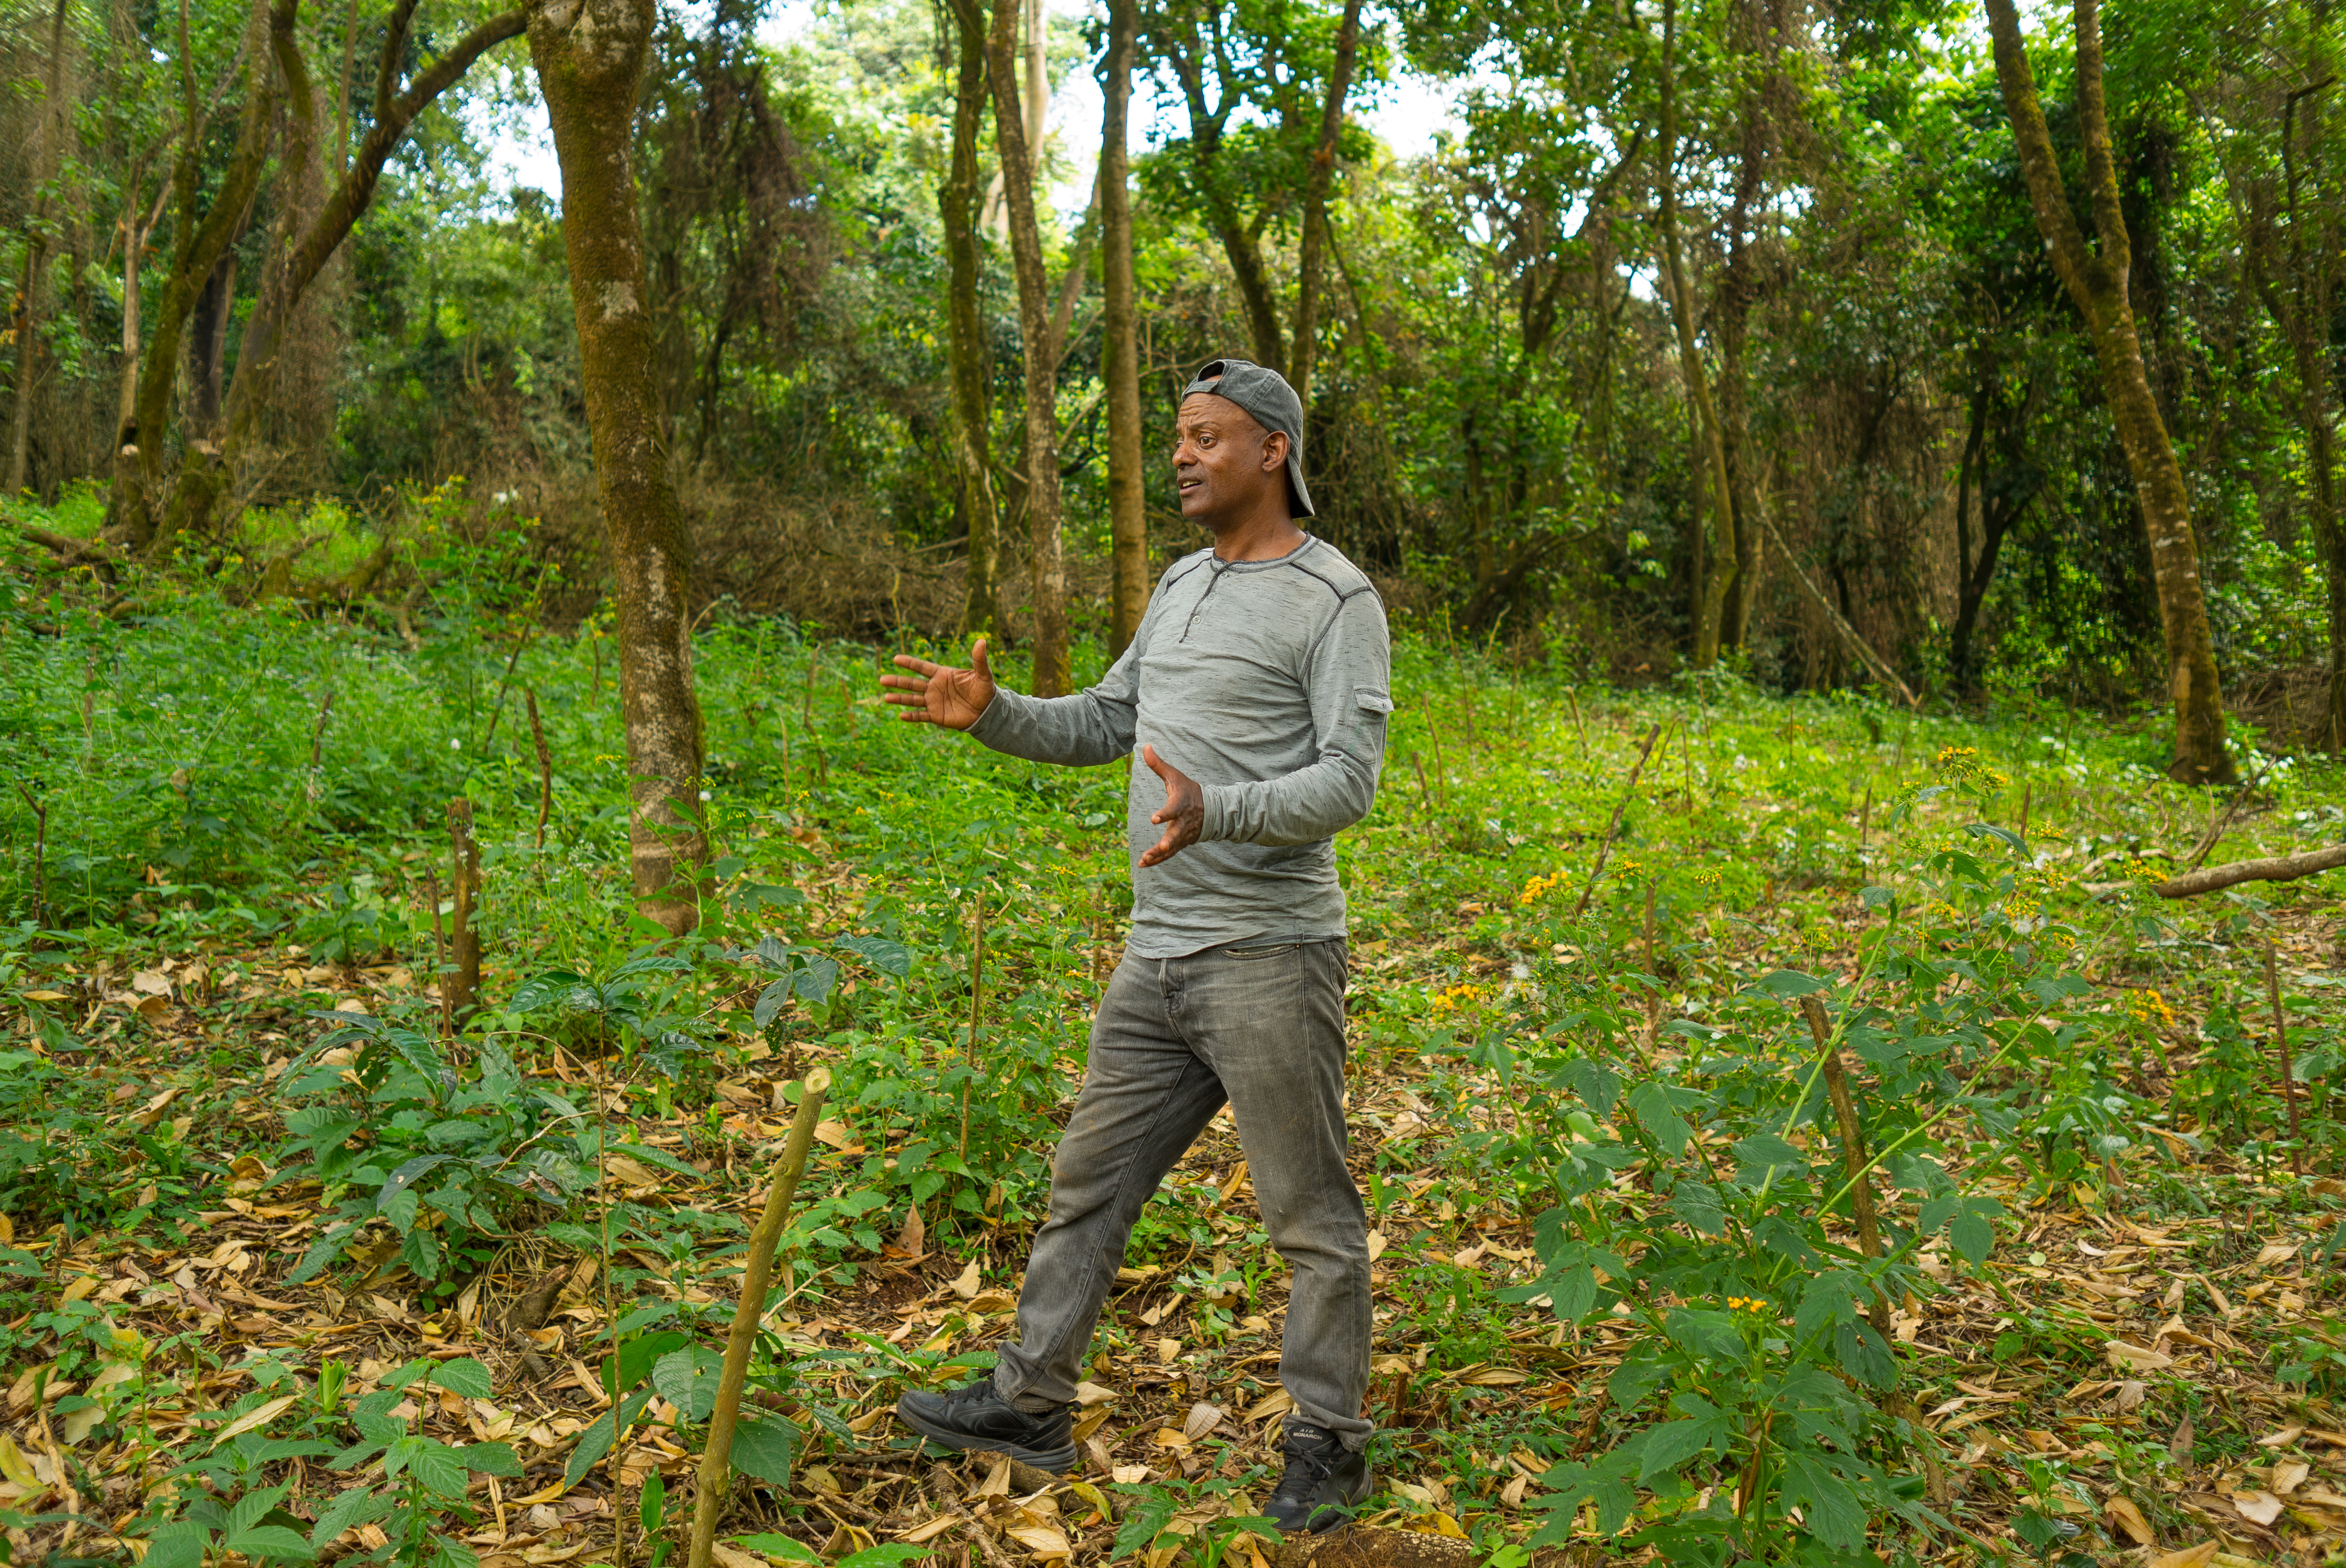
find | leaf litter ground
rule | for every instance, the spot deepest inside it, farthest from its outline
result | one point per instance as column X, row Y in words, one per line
column 2144, row 1361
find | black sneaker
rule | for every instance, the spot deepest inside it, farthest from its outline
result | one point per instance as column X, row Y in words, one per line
column 1322, row 1480
column 975, row 1417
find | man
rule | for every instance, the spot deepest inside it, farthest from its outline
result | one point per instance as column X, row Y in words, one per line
column 1257, row 689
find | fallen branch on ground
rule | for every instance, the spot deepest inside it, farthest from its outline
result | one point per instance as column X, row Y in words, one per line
column 2279, row 869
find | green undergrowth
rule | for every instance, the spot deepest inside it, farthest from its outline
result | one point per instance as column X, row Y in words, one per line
column 1580, row 1008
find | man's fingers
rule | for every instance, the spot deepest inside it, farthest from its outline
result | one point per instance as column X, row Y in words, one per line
column 904, row 683
column 907, row 661
column 1155, row 765
column 980, row 660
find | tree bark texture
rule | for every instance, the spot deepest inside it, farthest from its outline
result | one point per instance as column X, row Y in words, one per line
column 1184, row 51
column 36, row 251
column 1712, row 575
column 1128, row 516
column 2095, row 279
column 298, row 254
column 590, row 56
column 2294, row 279
column 1050, row 577
column 965, row 342
column 1311, row 256
column 201, row 234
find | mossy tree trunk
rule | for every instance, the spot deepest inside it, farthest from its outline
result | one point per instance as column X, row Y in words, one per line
column 1038, row 341
column 201, row 232
column 965, row 342
column 2095, row 278
column 1127, row 519
column 590, row 56
column 1715, row 552
column 298, row 253
column 1312, row 255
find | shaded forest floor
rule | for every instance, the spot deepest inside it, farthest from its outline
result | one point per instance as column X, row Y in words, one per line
column 252, row 1178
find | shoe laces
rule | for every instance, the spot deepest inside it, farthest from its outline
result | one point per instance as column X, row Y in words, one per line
column 974, row 1393
column 1308, row 1466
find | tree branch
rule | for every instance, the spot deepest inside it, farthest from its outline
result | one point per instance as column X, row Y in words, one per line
column 2278, row 869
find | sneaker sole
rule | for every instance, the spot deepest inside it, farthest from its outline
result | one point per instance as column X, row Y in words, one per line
column 1057, row 1461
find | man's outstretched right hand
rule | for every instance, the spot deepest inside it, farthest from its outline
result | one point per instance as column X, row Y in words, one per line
column 939, row 694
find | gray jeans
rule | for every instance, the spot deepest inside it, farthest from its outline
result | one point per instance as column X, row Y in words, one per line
column 1257, row 1024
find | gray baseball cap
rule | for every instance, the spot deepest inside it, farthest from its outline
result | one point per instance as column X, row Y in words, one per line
column 1264, row 393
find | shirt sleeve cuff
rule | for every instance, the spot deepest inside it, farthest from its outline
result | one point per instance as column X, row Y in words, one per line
column 991, row 722
column 1216, row 797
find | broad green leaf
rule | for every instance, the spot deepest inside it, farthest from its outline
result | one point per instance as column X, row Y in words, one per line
column 177, row 1546
column 780, row 1546
column 764, row 1446
column 891, row 958
column 351, row 1509
column 463, row 1376
column 1791, row 983
column 770, row 1002
column 817, row 979
column 638, row 1354
column 687, row 1379
column 491, row 1459
column 397, row 1200
column 270, row 1544
column 1832, row 1507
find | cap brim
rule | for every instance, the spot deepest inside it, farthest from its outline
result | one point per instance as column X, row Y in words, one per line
column 1298, row 499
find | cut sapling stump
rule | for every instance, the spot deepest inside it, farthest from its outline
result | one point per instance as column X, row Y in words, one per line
column 710, row 1489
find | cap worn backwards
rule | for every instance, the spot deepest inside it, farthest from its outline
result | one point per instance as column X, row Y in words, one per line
column 1264, row 393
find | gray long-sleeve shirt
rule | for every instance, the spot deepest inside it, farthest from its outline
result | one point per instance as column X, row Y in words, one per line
column 1269, row 683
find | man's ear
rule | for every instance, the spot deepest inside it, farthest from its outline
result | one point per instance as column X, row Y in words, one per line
column 1274, row 450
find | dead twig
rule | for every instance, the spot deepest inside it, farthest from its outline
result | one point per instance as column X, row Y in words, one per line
column 2277, row 869
column 1606, row 847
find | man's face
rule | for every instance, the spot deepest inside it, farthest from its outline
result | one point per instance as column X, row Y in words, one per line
column 1223, row 461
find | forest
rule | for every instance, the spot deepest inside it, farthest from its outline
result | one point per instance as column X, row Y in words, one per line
column 509, row 1055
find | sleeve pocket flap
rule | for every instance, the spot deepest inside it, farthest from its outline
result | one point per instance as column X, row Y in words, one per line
column 1371, row 701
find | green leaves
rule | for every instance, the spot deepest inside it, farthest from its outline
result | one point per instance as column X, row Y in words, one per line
column 256, row 1527
column 764, row 1445
column 687, row 1379
column 601, row 1433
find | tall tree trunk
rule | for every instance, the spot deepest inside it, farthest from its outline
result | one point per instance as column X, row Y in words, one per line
column 208, row 347
column 1184, row 52
column 2097, row 282
column 2301, row 310
column 589, row 56
column 36, row 249
column 1128, row 518
column 1050, row 579
column 201, row 234
column 1712, row 575
column 1967, row 603
column 965, row 340
column 1311, row 260
column 299, row 252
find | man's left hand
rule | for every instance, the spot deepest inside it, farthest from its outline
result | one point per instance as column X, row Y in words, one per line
column 1184, row 811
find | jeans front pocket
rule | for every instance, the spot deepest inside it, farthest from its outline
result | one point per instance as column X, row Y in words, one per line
column 1245, row 952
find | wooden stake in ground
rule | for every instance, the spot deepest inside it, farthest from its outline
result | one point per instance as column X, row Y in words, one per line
column 439, row 952
column 1614, row 827
column 460, row 987
column 976, row 997
column 1853, row 1147
column 2280, row 1041
column 545, row 767
column 717, row 1461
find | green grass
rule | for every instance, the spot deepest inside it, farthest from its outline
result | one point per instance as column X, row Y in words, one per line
column 257, row 794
